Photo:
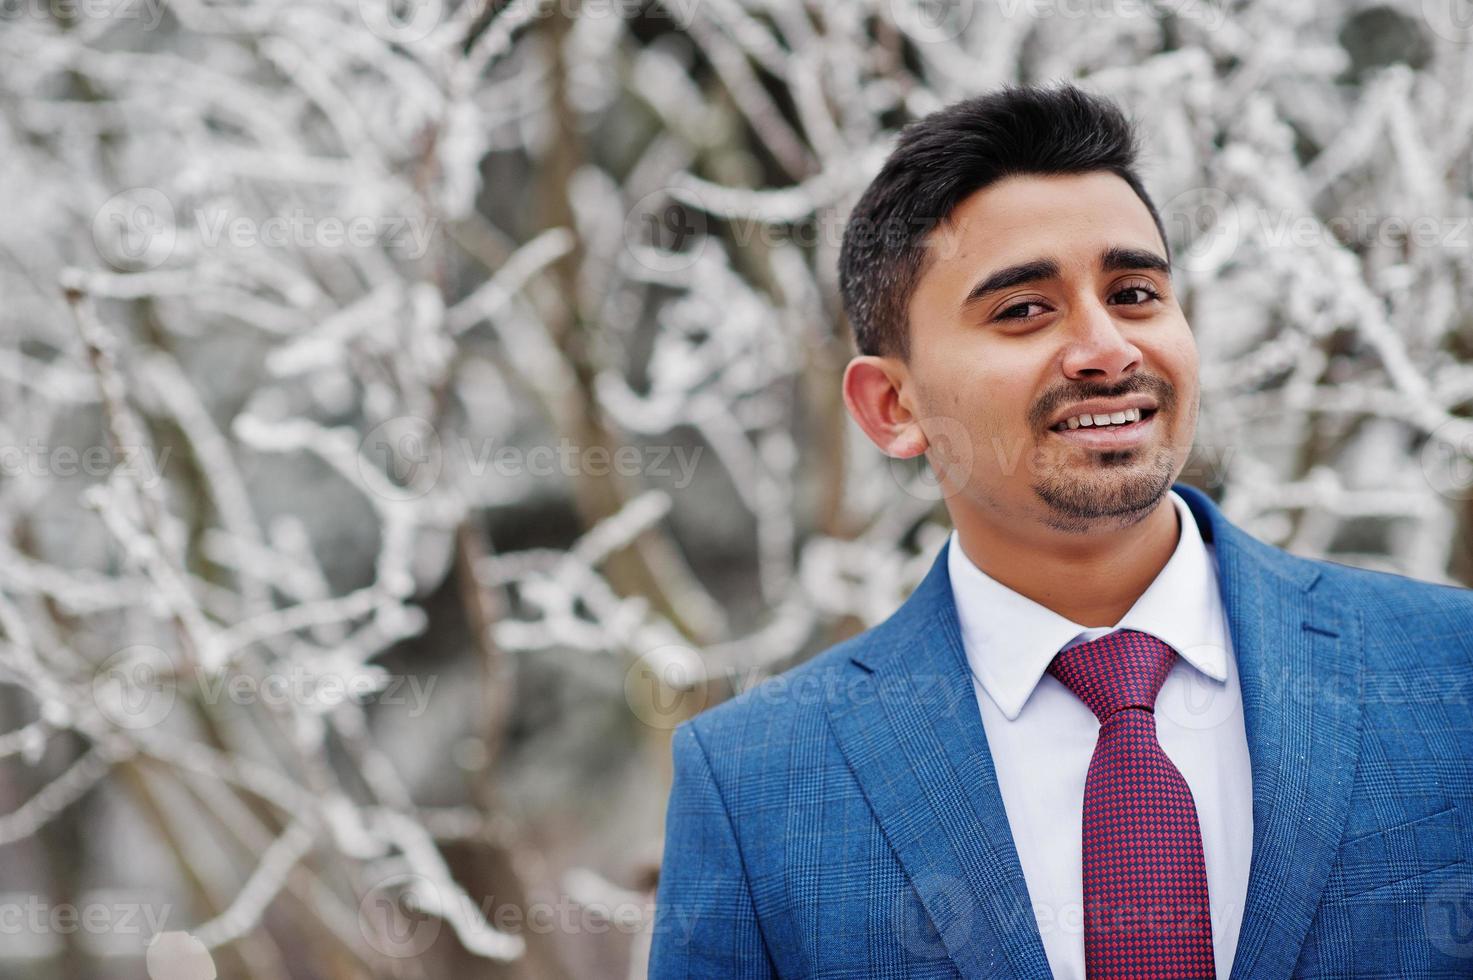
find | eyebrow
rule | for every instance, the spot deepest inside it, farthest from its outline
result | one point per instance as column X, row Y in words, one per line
column 1117, row 258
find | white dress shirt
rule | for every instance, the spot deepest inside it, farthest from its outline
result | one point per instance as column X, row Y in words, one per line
column 1041, row 736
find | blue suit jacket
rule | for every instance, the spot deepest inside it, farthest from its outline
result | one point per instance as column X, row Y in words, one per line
column 843, row 819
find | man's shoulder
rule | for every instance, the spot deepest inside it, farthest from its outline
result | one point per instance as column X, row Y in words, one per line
column 1386, row 592
column 1393, row 589
column 1395, row 609
column 778, row 705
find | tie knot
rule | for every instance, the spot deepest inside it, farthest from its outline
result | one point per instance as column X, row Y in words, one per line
column 1123, row 669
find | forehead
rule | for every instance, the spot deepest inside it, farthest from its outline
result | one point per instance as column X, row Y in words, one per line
column 1067, row 217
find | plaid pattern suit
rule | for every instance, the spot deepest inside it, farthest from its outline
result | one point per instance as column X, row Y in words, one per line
column 843, row 819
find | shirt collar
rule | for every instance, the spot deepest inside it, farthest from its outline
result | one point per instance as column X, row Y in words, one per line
column 1010, row 640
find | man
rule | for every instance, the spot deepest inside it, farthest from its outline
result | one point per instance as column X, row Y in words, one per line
column 1110, row 734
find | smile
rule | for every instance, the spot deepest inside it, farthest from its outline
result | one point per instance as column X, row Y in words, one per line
column 1111, row 436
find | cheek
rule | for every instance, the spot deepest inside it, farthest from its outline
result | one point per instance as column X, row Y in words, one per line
column 985, row 400
column 1189, row 358
column 1186, row 374
column 1181, row 349
column 1172, row 357
column 987, row 388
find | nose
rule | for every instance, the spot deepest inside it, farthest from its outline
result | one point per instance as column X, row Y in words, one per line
column 1098, row 348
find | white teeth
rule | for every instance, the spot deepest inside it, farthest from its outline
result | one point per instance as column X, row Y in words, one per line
column 1111, row 418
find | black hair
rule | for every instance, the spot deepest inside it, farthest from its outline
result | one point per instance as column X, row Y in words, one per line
column 942, row 159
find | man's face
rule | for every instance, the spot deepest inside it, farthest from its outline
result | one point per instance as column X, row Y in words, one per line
column 1086, row 317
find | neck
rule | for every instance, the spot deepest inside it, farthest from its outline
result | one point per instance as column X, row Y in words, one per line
column 1093, row 579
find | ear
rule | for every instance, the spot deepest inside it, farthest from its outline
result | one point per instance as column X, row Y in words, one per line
column 873, row 389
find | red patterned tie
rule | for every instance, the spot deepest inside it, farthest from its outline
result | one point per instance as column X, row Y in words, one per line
column 1145, row 881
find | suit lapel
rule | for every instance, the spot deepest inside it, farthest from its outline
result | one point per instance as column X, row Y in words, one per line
column 909, row 727
column 1299, row 666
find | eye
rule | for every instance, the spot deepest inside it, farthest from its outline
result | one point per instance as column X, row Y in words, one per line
column 1012, row 312
column 1140, row 292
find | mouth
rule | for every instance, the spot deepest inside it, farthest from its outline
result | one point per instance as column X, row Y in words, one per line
column 1112, row 436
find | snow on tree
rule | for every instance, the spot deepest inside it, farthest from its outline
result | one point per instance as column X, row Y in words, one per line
column 412, row 412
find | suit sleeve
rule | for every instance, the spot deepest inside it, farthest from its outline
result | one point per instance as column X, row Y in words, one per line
column 705, row 920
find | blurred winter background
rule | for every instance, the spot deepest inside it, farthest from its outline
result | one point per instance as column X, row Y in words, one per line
column 408, row 414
